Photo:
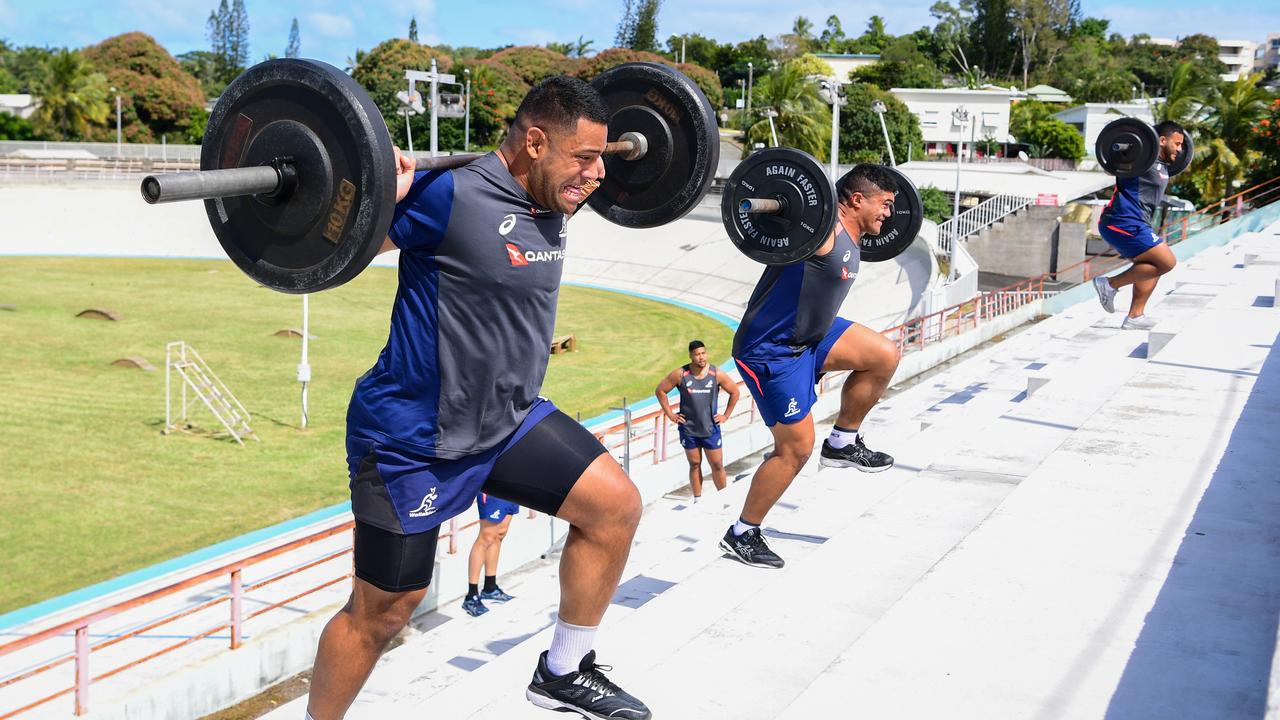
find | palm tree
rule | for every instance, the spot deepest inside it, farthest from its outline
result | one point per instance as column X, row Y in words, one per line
column 582, row 47
column 1227, row 130
column 1187, row 97
column 803, row 120
column 72, row 96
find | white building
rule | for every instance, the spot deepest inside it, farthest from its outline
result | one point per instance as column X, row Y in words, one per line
column 1267, row 54
column 844, row 63
column 1090, row 118
column 24, row 106
column 1237, row 55
column 988, row 115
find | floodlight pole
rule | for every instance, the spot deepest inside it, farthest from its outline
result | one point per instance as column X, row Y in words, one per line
column 835, row 126
column 880, row 108
column 435, row 104
column 466, row 122
column 304, row 367
column 961, row 117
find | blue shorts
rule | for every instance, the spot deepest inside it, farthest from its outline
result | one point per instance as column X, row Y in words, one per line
column 692, row 442
column 495, row 509
column 1128, row 240
column 783, row 388
column 406, row 493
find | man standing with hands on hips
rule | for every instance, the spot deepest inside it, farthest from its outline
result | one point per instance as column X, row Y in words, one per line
column 699, row 383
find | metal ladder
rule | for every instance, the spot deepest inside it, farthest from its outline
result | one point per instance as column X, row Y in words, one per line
column 183, row 360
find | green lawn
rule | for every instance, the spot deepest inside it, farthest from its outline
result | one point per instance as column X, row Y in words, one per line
column 91, row 489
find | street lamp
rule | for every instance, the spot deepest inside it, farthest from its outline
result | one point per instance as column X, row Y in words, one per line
column 880, row 109
column 770, row 113
column 118, row 134
column 466, row 122
column 961, row 116
column 830, row 92
column 750, row 83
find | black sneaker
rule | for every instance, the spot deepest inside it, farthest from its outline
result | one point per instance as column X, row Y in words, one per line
column 587, row 692
column 855, row 455
column 750, row 548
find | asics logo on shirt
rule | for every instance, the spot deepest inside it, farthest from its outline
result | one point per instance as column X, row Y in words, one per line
column 847, row 254
column 508, row 223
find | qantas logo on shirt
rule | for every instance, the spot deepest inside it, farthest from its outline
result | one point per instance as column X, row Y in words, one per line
column 520, row 257
column 844, row 274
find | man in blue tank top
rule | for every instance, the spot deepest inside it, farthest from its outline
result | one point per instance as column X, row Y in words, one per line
column 451, row 407
column 698, row 421
column 1126, row 225
column 791, row 335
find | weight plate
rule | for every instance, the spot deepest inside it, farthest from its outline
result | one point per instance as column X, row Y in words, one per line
column 679, row 124
column 1127, row 147
column 333, row 224
column 797, row 180
column 899, row 231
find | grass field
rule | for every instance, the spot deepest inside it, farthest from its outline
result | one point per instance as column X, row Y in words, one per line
column 90, row 488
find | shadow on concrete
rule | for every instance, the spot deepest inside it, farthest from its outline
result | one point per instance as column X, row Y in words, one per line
column 1206, row 648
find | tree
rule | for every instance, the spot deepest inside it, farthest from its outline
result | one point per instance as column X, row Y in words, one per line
column 626, row 32
column 935, row 204
column 1187, row 97
column 227, row 29
column 73, row 97
column 860, row 126
column 1054, row 138
column 645, row 37
column 238, row 37
column 202, row 65
column 803, row 120
column 534, row 64
column 706, row 80
column 1233, row 114
column 13, row 127
column 582, row 47
column 875, row 38
column 991, row 36
column 952, row 30
column 157, row 96
column 381, row 72
column 698, row 49
column 294, row 48
column 832, row 39
column 1034, row 21
column 413, row 28
column 1266, row 142
column 901, row 65
column 811, row 65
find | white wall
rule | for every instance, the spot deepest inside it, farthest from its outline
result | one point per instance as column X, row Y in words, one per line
column 842, row 65
column 988, row 108
column 1238, row 57
column 1090, row 118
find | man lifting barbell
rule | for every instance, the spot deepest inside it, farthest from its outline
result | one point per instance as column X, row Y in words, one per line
column 1143, row 160
column 791, row 334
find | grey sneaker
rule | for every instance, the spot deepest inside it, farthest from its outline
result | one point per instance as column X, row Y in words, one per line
column 1106, row 293
column 1142, row 322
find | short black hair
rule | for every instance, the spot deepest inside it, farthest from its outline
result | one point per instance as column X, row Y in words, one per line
column 1168, row 128
column 556, row 104
column 695, row 344
column 865, row 178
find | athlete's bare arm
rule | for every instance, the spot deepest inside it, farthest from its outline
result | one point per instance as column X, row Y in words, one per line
column 731, row 387
column 667, row 385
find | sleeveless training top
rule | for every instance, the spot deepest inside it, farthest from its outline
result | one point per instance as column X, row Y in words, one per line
column 698, row 401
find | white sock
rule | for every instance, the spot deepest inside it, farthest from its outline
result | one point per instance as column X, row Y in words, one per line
column 309, row 716
column 696, row 498
column 740, row 527
column 840, row 437
column 569, row 644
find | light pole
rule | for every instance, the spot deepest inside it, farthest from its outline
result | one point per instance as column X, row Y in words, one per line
column 961, row 116
column 880, row 109
column 466, row 122
column 750, row 79
column 118, row 134
column 770, row 113
column 831, row 86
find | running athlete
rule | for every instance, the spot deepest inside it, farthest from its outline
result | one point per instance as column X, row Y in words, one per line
column 700, row 384
column 495, row 520
column 791, row 335
column 451, row 407
column 1126, row 225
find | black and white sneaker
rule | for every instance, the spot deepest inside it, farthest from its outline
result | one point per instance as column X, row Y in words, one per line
column 750, row 548
column 587, row 692
column 855, row 455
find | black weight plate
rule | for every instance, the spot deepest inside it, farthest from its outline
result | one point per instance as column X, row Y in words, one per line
column 679, row 124
column 899, row 231
column 1183, row 161
column 333, row 224
column 1127, row 147
column 798, row 180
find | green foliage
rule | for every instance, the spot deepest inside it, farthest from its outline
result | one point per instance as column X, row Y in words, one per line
column 197, row 122
column 638, row 26
column 1092, row 70
column 413, row 28
column 936, row 206
column 157, row 97
column 860, row 128
column 1055, row 139
column 534, row 64
column 1153, row 65
column 991, row 37
column 1188, row 96
column 294, row 48
column 1025, row 113
column 1266, row 143
column 202, row 65
column 496, row 92
column 811, row 65
column 381, row 72
column 803, row 120
column 227, row 29
column 901, row 65
column 21, row 68
column 73, row 97
column 1234, row 114
column 13, row 127
column 705, row 79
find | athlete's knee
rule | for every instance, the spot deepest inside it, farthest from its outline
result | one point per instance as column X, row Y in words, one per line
column 793, row 453
column 716, row 466
column 380, row 620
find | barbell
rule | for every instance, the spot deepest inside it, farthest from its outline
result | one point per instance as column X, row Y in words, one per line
column 1128, row 147
column 298, row 173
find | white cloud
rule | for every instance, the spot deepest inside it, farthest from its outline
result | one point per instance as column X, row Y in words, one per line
column 330, row 25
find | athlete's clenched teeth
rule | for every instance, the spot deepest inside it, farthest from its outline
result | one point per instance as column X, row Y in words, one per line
column 573, row 193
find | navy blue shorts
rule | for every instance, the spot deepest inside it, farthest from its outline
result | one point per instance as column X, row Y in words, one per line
column 1129, row 240
column 783, row 388
column 691, row 442
column 495, row 509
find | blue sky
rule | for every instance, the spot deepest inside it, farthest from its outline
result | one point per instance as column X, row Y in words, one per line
column 332, row 29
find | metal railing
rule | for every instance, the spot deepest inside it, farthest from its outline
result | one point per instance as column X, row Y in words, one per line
column 648, row 432
column 979, row 218
column 65, row 169
column 155, row 151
